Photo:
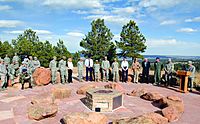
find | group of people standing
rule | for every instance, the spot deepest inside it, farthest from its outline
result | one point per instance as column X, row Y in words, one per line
column 10, row 69
column 94, row 70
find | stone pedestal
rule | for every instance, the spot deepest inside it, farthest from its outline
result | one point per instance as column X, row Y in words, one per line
column 103, row 100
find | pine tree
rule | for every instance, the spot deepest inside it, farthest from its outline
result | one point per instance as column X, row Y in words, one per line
column 97, row 42
column 132, row 41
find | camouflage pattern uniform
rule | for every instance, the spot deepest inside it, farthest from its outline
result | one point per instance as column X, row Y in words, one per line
column 63, row 70
column 80, row 70
column 3, row 74
column 24, row 76
column 11, row 72
column 105, row 66
column 7, row 60
column 115, row 71
column 53, row 67
column 96, row 71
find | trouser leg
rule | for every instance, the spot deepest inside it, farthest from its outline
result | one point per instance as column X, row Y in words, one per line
column 114, row 76
column 107, row 74
column 91, row 73
column 53, row 76
column 123, row 76
column 126, row 77
column 4, row 79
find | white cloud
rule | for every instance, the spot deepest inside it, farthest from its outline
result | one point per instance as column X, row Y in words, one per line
column 161, row 42
column 195, row 19
column 73, row 4
column 75, row 34
column 124, row 11
column 10, row 23
column 187, row 30
column 159, row 3
column 5, row 7
column 168, row 22
column 92, row 11
column 39, row 32
column 113, row 19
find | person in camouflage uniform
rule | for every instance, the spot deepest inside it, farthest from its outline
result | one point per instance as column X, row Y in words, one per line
column 80, row 69
column 7, row 60
column 115, row 70
column 36, row 63
column 24, row 75
column 53, row 67
column 105, row 65
column 11, row 72
column 96, row 70
column 169, row 68
column 16, row 61
column 3, row 74
column 63, row 70
column 157, row 71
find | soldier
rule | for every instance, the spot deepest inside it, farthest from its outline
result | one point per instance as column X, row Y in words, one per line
column 115, row 70
column 3, row 74
column 63, row 70
column 31, row 65
column 80, row 69
column 105, row 65
column 157, row 71
column 192, row 69
column 24, row 75
column 169, row 68
column 53, row 67
column 96, row 70
column 136, row 70
column 11, row 72
column 7, row 60
column 36, row 63
column 124, row 66
column 16, row 61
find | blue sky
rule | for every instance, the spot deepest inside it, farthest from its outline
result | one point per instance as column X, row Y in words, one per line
column 171, row 27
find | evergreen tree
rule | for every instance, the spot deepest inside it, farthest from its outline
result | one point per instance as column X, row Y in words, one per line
column 97, row 42
column 132, row 41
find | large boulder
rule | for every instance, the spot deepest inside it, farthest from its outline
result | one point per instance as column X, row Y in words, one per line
column 85, row 118
column 61, row 92
column 152, row 96
column 172, row 101
column 42, row 76
column 41, row 111
column 171, row 113
column 149, row 118
column 82, row 90
column 138, row 92
column 115, row 86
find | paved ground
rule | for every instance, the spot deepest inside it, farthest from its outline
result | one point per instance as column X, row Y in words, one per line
column 14, row 102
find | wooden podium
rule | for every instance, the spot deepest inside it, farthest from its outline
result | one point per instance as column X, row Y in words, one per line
column 183, row 80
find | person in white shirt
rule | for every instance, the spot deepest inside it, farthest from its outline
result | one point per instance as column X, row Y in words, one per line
column 70, row 70
column 124, row 66
column 89, row 68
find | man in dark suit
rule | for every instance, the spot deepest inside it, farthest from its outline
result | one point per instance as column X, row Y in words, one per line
column 145, row 70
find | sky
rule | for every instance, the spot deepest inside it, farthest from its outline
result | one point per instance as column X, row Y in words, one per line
column 171, row 27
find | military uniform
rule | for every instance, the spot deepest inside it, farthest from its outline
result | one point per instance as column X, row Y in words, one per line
column 192, row 69
column 169, row 67
column 53, row 67
column 3, row 74
column 96, row 71
column 105, row 65
column 7, row 60
column 11, row 73
column 36, row 63
column 63, row 70
column 115, row 71
column 24, row 76
column 16, row 60
column 80, row 70
column 157, row 72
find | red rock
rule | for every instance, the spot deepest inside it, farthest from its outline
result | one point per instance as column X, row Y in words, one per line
column 61, row 92
column 152, row 96
column 157, row 118
column 136, row 120
column 138, row 92
column 172, row 101
column 115, row 86
column 171, row 113
column 42, row 76
column 40, row 111
column 85, row 118
column 82, row 90
column 129, row 78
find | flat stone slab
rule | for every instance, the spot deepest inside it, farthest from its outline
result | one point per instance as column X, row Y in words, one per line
column 6, row 115
column 11, row 99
